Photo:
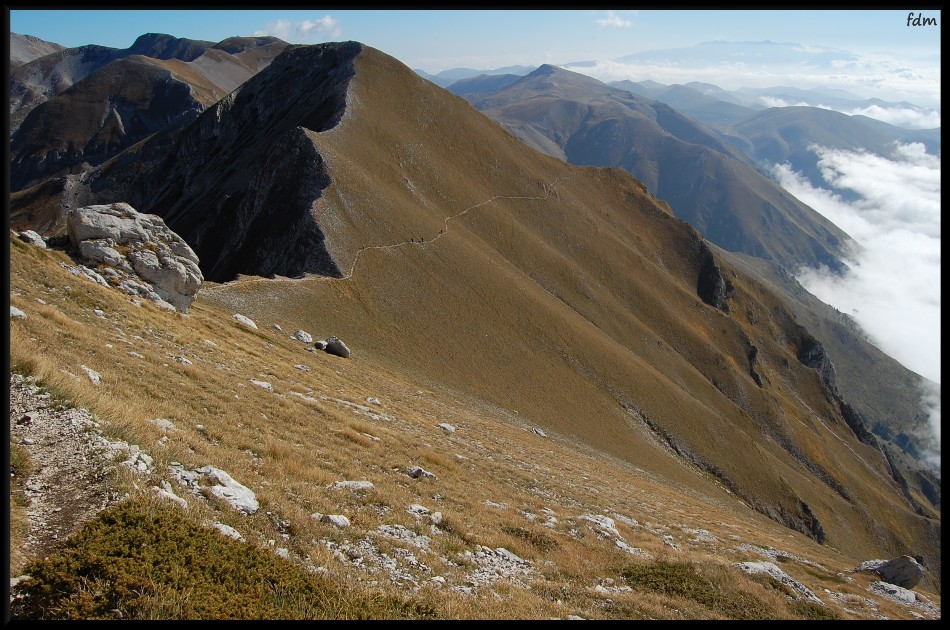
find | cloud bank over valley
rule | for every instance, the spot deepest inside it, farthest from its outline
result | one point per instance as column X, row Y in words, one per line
column 893, row 287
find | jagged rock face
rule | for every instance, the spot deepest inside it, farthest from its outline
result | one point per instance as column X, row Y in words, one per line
column 812, row 354
column 128, row 242
column 222, row 181
column 711, row 286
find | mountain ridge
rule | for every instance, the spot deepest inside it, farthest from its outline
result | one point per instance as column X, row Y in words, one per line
column 568, row 295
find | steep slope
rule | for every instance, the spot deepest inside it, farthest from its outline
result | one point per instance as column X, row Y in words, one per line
column 568, row 296
column 38, row 81
column 707, row 181
column 886, row 394
column 532, row 526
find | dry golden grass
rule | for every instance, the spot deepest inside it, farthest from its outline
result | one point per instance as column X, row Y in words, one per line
column 452, row 359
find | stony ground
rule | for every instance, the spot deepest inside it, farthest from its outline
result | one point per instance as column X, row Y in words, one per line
column 70, row 460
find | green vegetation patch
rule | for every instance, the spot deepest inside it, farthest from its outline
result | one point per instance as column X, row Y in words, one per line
column 139, row 561
column 812, row 610
column 684, row 580
column 20, row 468
column 536, row 539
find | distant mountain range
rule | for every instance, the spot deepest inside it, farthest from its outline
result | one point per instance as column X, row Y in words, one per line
column 770, row 57
column 703, row 177
column 769, row 135
column 446, row 78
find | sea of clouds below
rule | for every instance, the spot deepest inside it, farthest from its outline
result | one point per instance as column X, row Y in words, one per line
column 869, row 76
column 893, row 287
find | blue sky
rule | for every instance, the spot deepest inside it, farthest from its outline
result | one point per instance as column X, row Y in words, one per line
column 891, row 59
column 435, row 40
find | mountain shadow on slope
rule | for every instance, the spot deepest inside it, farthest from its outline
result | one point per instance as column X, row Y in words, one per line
column 239, row 182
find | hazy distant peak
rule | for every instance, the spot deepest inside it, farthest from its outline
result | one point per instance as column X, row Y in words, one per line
column 544, row 70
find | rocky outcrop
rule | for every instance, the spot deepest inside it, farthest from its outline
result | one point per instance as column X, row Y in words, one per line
column 218, row 483
column 711, row 286
column 304, row 336
column 31, row 237
column 753, row 356
column 336, row 347
column 247, row 321
column 812, row 354
column 903, row 571
column 137, row 251
column 768, row 568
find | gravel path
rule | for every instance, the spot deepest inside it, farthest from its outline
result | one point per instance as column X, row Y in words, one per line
column 71, row 465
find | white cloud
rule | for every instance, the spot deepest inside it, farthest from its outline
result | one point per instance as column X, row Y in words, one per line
column 324, row 27
column 280, row 29
column 867, row 75
column 614, row 20
column 893, row 287
column 774, row 101
column 932, row 404
column 900, row 116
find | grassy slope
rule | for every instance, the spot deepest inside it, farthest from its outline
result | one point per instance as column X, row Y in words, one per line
column 554, row 307
column 288, row 449
column 562, row 294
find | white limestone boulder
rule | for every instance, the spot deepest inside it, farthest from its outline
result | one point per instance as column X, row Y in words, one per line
column 141, row 248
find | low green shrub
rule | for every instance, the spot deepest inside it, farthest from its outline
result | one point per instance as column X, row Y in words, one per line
column 137, row 560
column 538, row 540
column 683, row 580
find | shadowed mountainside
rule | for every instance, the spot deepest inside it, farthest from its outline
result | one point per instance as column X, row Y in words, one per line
column 705, row 179
column 568, row 295
column 482, row 83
